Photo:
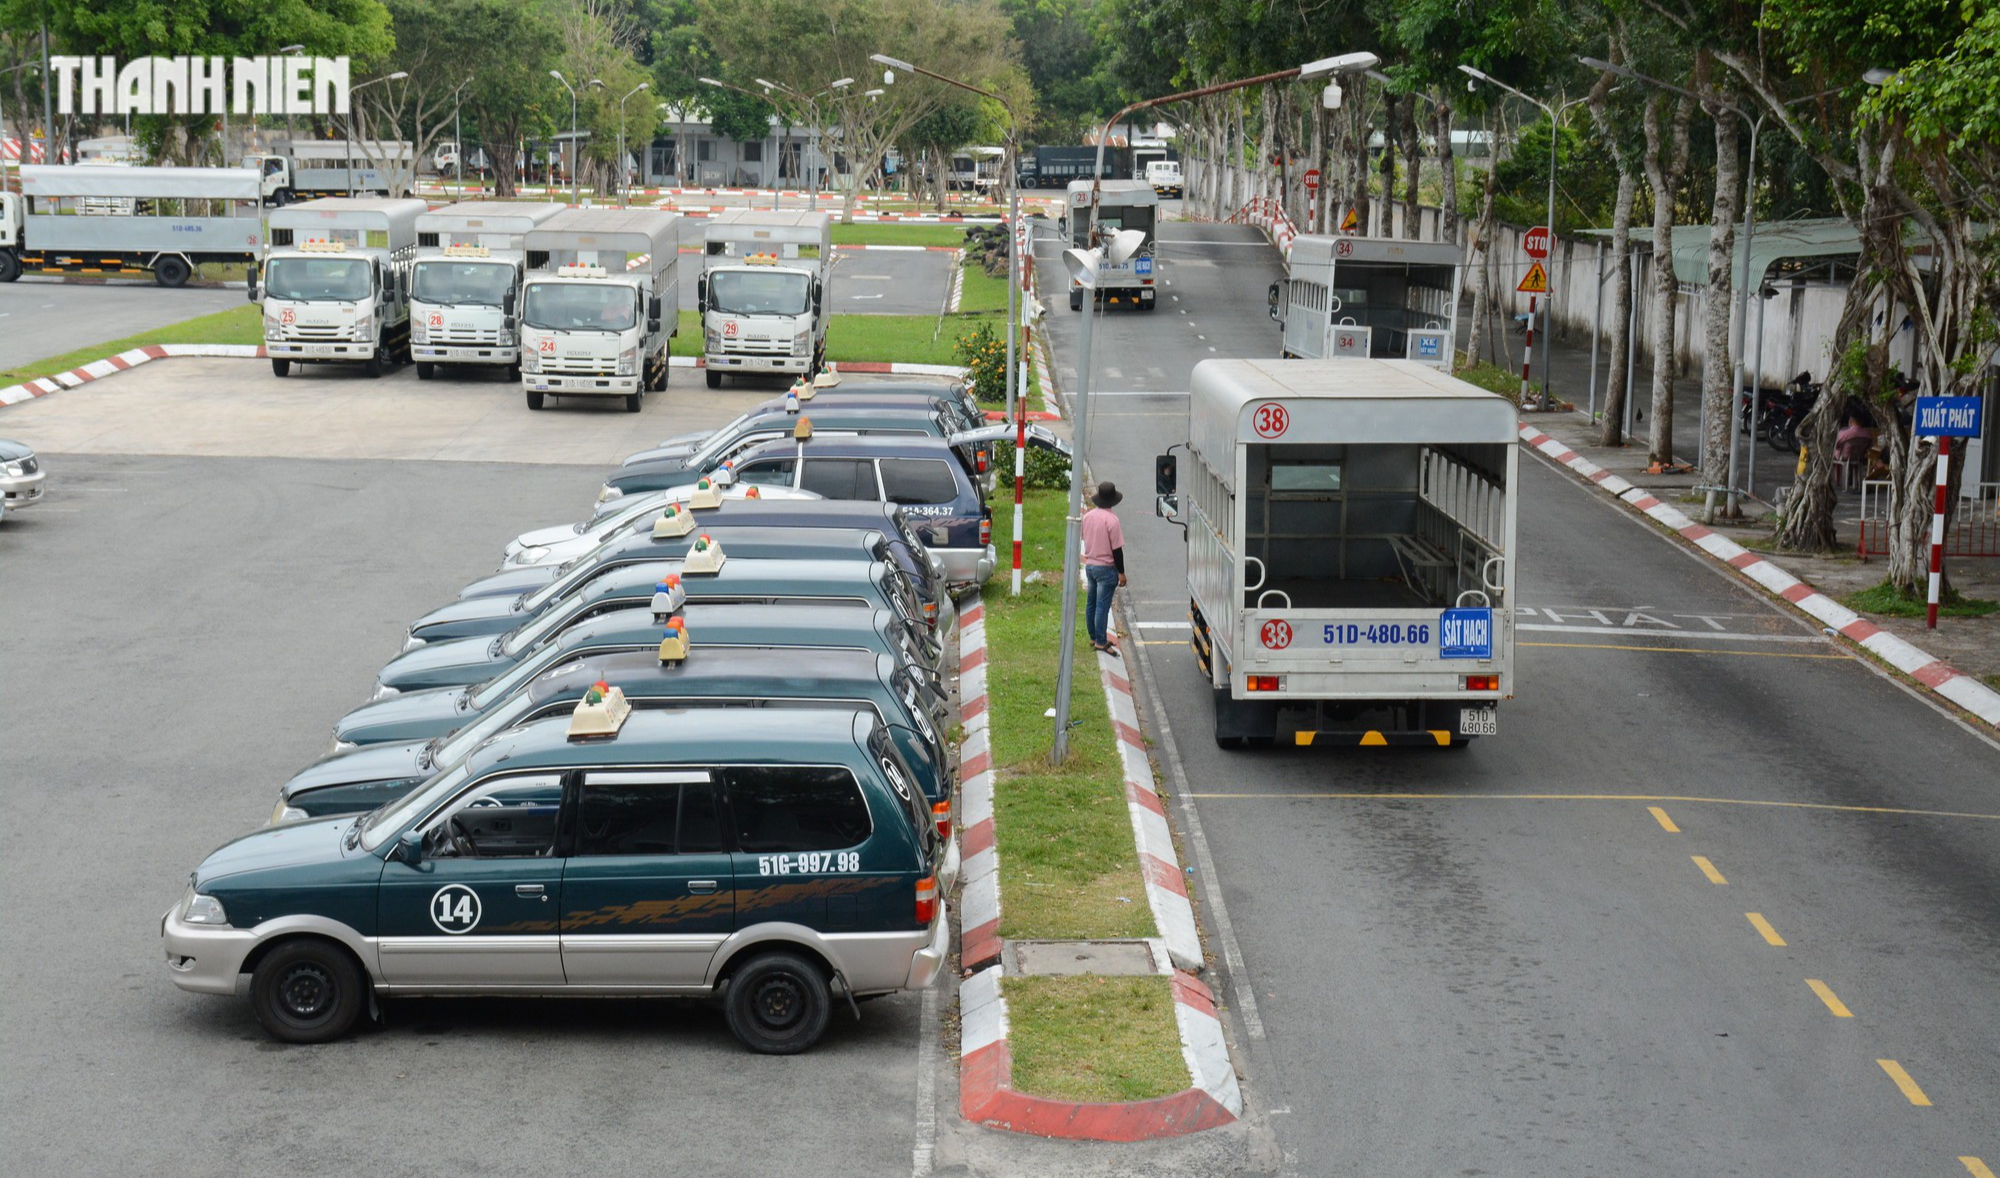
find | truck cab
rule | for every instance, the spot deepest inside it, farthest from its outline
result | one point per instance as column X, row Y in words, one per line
column 471, row 261
column 1350, row 550
column 335, row 284
column 600, row 305
column 763, row 295
column 1121, row 204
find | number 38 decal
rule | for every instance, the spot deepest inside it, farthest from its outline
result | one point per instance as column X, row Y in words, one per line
column 1276, row 634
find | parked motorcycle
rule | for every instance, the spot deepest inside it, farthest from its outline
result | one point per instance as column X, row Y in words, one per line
column 1786, row 413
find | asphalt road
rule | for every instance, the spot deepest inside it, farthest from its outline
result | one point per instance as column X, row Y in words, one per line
column 180, row 634
column 46, row 316
column 1500, row 960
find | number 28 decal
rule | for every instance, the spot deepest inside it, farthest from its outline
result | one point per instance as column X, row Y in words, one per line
column 455, row 909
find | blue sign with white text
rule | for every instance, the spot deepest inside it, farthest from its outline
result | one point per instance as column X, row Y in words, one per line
column 1142, row 266
column 1947, row 417
column 1465, row 634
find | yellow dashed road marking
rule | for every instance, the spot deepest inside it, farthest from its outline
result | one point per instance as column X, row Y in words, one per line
column 1975, row 1167
column 1763, row 926
column 1708, row 869
column 1666, row 823
column 1825, row 993
column 1902, row 1078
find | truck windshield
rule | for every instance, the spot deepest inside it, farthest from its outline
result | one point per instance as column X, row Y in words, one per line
column 1111, row 219
column 584, row 306
column 760, row 292
column 483, row 284
column 312, row 279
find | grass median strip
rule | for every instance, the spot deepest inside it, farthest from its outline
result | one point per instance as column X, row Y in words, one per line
column 238, row 325
column 1068, row 869
column 1094, row 1038
column 869, row 233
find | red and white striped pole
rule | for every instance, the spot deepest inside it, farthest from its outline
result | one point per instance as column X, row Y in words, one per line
column 1527, row 351
column 1937, row 530
column 1020, row 458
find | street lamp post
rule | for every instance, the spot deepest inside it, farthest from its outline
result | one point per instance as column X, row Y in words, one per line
column 351, row 139
column 622, row 174
column 458, row 138
column 575, row 156
column 289, row 50
column 1083, row 266
column 1554, row 111
column 810, row 105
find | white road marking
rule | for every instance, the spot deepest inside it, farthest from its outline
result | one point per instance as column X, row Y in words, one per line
column 866, row 296
column 1095, row 393
column 925, row 1145
column 1703, row 635
column 1161, row 625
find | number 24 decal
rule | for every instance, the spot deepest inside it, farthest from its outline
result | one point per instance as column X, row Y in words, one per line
column 547, row 345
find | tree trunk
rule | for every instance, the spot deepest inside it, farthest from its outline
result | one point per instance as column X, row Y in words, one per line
column 1448, row 227
column 1718, row 373
column 1663, row 175
column 1391, row 108
column 1413, row 168
column 1357, row 150
column 1482, row 240
column 1611, row 431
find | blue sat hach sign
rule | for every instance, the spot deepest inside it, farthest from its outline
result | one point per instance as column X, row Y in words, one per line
column 1466, row 634
column 1947, row 417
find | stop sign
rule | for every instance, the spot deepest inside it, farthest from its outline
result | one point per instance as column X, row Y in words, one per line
column 1312, row 180
column 1536, row 243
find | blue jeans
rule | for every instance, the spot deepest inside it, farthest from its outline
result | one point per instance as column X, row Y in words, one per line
column 1103, row 582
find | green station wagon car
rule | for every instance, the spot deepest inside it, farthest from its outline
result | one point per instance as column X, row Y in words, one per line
column 616, row 851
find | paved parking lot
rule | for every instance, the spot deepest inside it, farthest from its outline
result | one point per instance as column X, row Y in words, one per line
column 46, row 316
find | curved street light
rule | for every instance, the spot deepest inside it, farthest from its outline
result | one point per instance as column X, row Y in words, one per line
column 622, row 173
column 575, row 155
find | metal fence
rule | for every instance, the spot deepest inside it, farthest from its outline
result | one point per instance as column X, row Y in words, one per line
column 1974, row 528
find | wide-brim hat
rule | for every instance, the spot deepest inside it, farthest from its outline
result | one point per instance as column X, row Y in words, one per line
column 1106, row 496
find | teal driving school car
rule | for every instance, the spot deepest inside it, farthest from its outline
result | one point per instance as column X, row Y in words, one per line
column 612, row 851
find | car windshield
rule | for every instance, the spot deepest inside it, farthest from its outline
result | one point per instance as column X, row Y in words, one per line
column 580, row 306
column 528, row 637
column 499, row 687
column 343, row 280
column 625, row 511
column 452, row 749
column 575, row 573
column 483, row 284
column 759, row 292
column 377, row 825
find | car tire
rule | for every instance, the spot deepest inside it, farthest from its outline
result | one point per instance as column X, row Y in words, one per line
column 714, row 378
column 171, row 272
column 279, row 367
column 307, row 992
column 778, row 1004
column 425, row 370
column 535, row 399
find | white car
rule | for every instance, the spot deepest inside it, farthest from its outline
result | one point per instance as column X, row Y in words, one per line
column 566, row 542
column 21, row 476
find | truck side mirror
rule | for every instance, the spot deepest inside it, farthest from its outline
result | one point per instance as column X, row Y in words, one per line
column 1271, row 297
column 653, row 308
column 1167, row 507
column 507, row 303
column 653, row 326
column 1166, row 474
column 389, row 287
column 509, row 322
column 250, row 283
column 701, row 295
column 817, row 293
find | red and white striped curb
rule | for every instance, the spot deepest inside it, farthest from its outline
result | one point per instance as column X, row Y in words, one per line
column 979, row 896
column 1941, row 677
column 957, row 287
column 97, row 369
column 1159, row 864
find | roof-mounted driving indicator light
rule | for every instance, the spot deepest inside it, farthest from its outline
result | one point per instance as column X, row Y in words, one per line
column 792, row 398
column 579, row 270
column 676, row 521
column 803, row 431
column 705, row 557
column 669, row 597
column 602, row 712
column 827, row 379
column 706, row 494
column 322, row 246
column 674, row 643
column 725, row 475
column 467, row 251
column 751, row 492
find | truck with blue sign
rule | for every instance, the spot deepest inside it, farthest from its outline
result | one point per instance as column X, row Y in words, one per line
column 1121, row 204
column 1350, row 550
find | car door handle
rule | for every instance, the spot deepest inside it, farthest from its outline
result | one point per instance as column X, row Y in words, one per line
column 701, row 887
column 527, row 889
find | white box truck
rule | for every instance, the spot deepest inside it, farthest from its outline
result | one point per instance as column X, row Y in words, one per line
column 1121, row 204
column 1165, row 177
column 128, row 220
column 764, row 293
column 307, row 168
column 336, row 282
column 471, row 260
column 601, row 304
column 1364, row 297
column 1350, row 550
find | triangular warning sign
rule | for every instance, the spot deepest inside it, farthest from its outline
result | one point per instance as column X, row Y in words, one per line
column 1536, row 281
column 1350, row 222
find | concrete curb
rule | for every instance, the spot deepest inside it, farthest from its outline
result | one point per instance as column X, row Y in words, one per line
column 979, row 877
column 1159, row 864
column 987, row 1097
column 1933, row 673
column 97, row 369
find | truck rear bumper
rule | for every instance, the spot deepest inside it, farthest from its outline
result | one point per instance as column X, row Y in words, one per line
column 772, row 364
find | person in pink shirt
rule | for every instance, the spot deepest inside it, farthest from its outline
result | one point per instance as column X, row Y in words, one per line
column 1103, row 563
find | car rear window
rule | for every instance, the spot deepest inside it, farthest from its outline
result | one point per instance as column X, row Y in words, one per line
column 840, row 478
column 918, row 481
column 796, row 808
column 770, row 472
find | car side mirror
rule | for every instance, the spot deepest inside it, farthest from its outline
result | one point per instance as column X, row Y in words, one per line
column 410, row 847
column 1166, row 474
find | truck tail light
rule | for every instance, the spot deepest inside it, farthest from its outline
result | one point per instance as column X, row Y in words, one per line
column 1482, row 682
column 941, row 814
column 1262, row 683
column 927, row 899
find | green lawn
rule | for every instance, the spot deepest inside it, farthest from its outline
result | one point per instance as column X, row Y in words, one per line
column 1068, row 869
column 238, row 325
column 981, row 291
column 1887, row 599
column 872, row 233
column 1094, row 1038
